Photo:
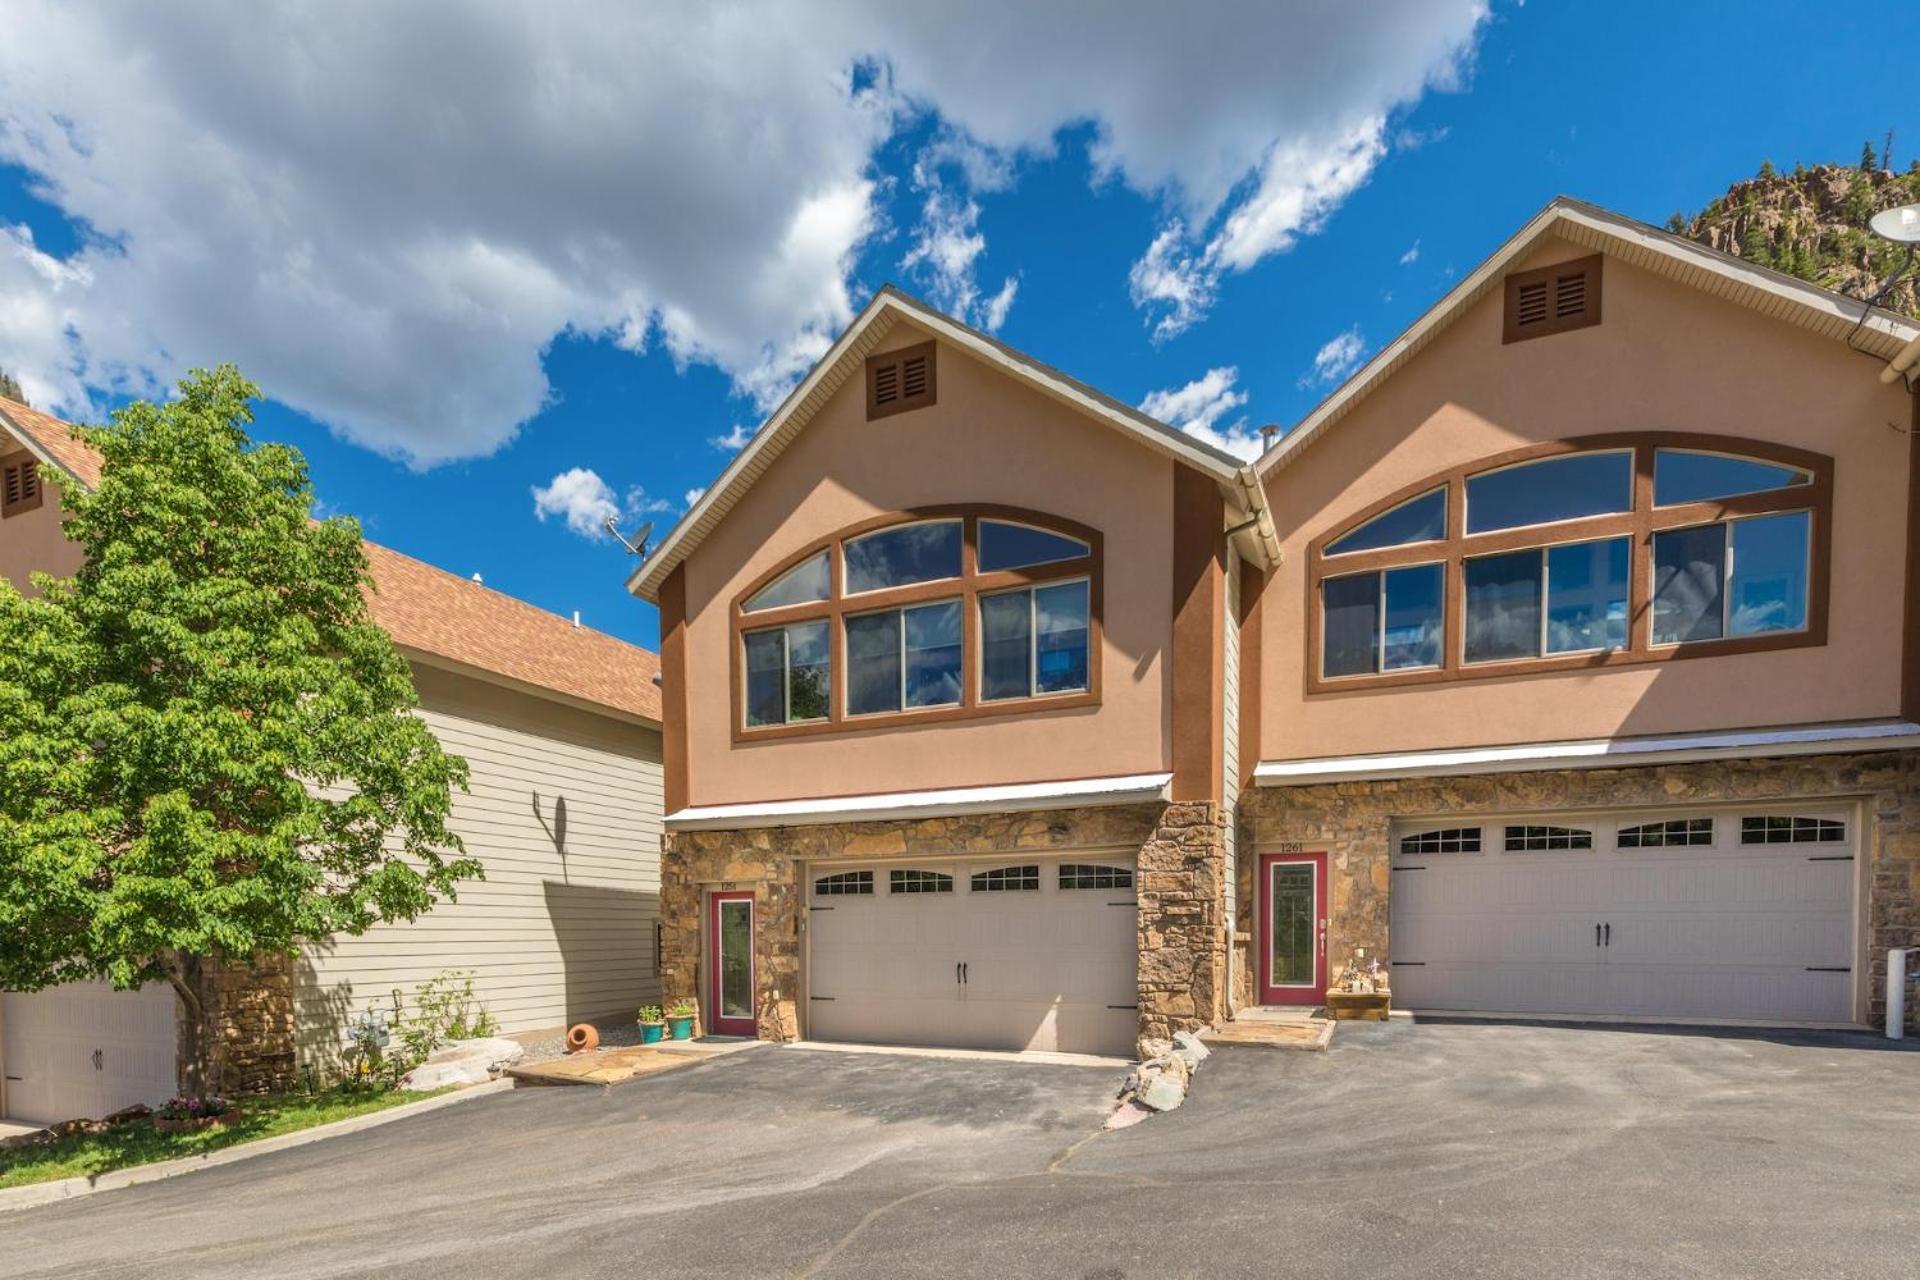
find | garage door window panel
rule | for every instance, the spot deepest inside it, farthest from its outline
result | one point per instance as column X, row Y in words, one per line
column 842, row 884
column 1562, row 558
column 1077, row 875
column 1444, row 840
column 955, row 613
column 1536, row 839
column 913, row 880
column 1791, row 829
column 1672, row 833
column 1021, row 879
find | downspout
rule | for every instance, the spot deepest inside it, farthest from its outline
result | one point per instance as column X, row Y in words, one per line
column 1903, row 360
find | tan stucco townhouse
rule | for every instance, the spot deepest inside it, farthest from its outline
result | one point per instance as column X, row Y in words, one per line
column 1566, row 659
column 560, row 725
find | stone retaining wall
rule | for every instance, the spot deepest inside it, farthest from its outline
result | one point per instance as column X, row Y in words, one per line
column 1350, row 820
column 1181, row 858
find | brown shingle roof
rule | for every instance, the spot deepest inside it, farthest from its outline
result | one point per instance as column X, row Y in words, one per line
column 439, row 614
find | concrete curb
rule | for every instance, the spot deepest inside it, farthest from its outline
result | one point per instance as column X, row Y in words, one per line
column 39, row 1193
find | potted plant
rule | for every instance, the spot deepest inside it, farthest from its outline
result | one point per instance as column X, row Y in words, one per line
column 194, row 1111
column 680, row 1018
column 652, row 1024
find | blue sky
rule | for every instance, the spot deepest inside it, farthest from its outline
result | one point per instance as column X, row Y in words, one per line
column 559, row 264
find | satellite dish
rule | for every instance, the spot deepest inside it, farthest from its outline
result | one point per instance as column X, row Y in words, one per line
column 637, row 544
column 1901, row 225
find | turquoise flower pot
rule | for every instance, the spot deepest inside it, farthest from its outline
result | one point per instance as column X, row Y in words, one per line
column 682, row 1027
column 651, row 1032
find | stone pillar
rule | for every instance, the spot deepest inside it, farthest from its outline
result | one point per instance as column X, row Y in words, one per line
column 247, row 1010
column 1183, row 939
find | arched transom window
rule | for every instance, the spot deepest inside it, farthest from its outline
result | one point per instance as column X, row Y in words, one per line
column 1590, row 552
column 925, row 615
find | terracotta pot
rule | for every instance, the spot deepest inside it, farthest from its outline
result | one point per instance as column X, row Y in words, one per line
column 582, row 1036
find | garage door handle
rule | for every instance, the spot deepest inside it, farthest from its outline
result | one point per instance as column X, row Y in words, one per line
column 96, row 1061
column 964, row 975
column 956, row 972
column 1609, row 933
column 1596, row 935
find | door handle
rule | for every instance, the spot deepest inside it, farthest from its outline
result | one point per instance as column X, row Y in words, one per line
column 956, row 972
column 964, row 976
column 97, row 1055
column 1596, row 935
column 1609, row 933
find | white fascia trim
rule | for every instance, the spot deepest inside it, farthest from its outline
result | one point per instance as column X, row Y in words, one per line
column 1134, row 789
column 1594, row 753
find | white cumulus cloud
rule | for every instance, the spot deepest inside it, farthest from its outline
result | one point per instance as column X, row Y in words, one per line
column 387, row 214
column 1201, row 409
column 734, row 441
column 580, row 497
column 1337, row 357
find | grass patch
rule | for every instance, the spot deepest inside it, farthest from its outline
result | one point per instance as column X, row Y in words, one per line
column 136, row 1142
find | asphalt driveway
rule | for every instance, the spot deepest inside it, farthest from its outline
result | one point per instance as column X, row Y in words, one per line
column 1407, row 1150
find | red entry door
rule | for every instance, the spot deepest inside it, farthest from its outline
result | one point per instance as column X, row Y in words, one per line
column 730, row 982
column 1292, row 963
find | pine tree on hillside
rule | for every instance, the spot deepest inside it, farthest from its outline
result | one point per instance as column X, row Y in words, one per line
column 10, row 387
column 1813, row 223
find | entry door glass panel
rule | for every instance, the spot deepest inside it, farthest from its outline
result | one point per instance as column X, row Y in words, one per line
column 1291, row 957
column 736, row 958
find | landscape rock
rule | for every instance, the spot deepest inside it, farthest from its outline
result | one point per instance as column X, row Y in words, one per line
column 138, row 1111
column 1190, row 1050
column 496, row 1052
column 440, row 1075
column 1150, row 1047
column 1163, row 1094
column 1129, row 1114
column 464, row 1062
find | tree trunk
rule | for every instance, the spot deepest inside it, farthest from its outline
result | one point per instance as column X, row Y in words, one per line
column 202, row 1048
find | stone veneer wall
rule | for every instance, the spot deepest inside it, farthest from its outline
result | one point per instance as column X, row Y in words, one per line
column 1349, row 820
column 251, row 1009
column 1179, row 883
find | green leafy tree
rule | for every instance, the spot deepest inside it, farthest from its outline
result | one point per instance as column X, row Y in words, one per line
column 207, row 747
column 10, row 387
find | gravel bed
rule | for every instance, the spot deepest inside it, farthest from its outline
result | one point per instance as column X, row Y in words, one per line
column 613, row 1035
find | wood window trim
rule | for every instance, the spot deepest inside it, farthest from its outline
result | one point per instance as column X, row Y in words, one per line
column 967, row 588
column 1587, row 316
column 29, row 466
column 898, row 359
column 1639, row 525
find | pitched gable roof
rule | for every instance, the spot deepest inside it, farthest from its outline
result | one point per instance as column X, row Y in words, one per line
column 438, row 617
column 1785, row 297
column 844, row 360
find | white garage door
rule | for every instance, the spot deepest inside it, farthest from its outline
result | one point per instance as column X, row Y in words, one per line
column 86, row 1050
column 1013, row 953
column 1741, row 914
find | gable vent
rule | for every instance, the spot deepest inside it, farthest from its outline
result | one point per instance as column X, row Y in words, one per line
column 20, row 486
column 1553, row 299
column 900, row 380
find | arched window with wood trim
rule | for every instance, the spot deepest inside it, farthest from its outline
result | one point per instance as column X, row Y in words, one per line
column 1597, row 551
column 933, row 614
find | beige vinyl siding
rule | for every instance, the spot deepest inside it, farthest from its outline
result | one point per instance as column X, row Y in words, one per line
column 563, row 926
column 1230, row 725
